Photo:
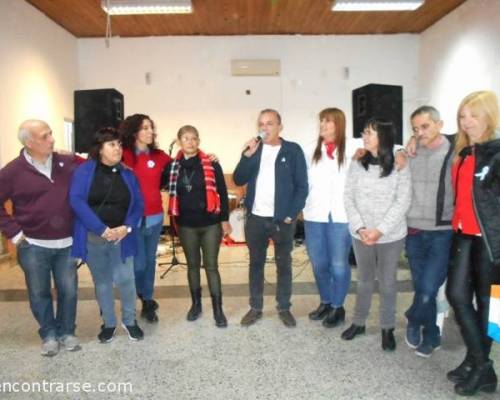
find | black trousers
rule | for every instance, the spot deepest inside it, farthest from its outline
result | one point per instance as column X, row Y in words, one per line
column 470, row 275
column 258, row 231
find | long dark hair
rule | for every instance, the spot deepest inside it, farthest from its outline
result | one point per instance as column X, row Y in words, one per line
column 103, row 135
column 338, row 117
column 130, row 127
column 385, row 155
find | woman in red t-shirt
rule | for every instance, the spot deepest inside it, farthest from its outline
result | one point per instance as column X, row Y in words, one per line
column 476, row 219
column 141, row 154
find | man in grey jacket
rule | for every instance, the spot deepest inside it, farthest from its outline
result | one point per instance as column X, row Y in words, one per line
column 429, row 226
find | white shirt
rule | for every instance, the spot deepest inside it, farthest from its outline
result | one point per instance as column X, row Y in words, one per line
column 44, row 169
column 263, row 204
column 326, row 183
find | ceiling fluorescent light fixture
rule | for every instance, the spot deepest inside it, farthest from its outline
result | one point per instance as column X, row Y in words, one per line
column 127, row 7
column 376, row 5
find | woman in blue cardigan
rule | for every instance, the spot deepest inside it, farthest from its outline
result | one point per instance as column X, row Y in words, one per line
column 108, row 205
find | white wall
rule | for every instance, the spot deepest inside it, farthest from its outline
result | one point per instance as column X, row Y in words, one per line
column 38, row 71
column 460, row 54
column 191, row 81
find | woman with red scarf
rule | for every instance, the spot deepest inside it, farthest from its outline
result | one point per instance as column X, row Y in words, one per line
column 199, row 204
column 476, row 222
column 328, row 240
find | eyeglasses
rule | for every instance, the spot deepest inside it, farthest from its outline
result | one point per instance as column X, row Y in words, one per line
column 186, row 139
column 423, row 127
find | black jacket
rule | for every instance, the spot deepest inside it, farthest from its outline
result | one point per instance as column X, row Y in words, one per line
column 442, row 217
column 486, row 194
column 192, row 203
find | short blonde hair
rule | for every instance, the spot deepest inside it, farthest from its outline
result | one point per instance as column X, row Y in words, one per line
column 187, row 129
column 483, row 102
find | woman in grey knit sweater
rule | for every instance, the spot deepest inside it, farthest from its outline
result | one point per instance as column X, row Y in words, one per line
column 377, row 198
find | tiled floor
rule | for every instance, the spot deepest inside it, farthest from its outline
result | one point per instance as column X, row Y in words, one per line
column 195, row 360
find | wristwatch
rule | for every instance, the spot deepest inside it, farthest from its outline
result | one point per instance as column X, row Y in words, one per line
column 129, row 229
column 287, row 220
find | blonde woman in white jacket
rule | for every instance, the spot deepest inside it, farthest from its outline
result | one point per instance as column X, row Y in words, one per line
column 328, row 240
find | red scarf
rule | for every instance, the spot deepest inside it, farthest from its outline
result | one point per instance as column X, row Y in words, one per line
column 330, row 148
column 213, row 198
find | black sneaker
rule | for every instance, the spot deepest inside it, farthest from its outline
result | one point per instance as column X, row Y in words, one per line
column 107, row 334
column 134, row 332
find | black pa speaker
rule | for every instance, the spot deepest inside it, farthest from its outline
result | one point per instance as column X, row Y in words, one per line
column 380, row 101
column 95, row 109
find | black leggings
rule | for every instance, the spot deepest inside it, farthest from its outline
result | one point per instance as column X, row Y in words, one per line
column 196, row 241
column 469, row 275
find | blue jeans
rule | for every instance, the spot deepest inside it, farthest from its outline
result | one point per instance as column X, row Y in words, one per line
column 328, row 245
column 429, row 255
column 38, row 264
column 107, row 268
column 145, row 260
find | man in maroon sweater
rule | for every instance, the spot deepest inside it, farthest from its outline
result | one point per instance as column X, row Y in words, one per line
column 37, row 183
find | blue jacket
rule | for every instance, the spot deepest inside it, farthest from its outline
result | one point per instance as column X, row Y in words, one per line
column 87, row 221
column 291, row 185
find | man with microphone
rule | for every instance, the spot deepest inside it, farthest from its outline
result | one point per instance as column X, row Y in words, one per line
column 276, row 174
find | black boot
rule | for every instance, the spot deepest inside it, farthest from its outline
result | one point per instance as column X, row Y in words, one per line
column 220, row 318
column 154, row 303
column 320, row 313
column 481, row 377
column 149, row 310
column 388, row 341
column 334, row 318
column 462, row 372
column 195, row 310
column 353, row 331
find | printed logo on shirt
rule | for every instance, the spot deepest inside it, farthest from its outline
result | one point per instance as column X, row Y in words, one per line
column 151, row 164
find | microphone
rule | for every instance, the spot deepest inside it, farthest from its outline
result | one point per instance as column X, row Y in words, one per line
column 171, row 147
column 259, row 138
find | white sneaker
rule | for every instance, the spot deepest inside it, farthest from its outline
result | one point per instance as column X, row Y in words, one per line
column 70, row 343
column 50, row 347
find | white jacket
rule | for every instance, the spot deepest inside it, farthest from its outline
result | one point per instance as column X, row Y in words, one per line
column 326, row 183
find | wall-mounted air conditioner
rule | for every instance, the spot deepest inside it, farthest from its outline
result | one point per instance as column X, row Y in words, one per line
column 255, row 67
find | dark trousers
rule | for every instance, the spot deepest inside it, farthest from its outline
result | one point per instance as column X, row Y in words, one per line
column 469, row 275
column 258, row 231
column 196, row 241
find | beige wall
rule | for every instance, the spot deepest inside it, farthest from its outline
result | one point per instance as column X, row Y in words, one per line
column 460, row 54
column 38, row 73
column 191, row 81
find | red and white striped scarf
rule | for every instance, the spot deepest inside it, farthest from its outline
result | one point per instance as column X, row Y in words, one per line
column 212, row 197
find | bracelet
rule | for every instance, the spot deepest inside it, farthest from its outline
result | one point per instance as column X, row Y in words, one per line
column 357, row 231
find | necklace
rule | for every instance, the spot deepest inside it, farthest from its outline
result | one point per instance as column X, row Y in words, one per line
column 187, row 181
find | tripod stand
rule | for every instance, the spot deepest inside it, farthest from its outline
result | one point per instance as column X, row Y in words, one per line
column 174, row 261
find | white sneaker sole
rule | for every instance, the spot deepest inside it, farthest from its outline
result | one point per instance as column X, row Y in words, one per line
column 72, row 349
column 410, row 345
column 49, row 353
column 129, row 336
column 109, row 340
column 427, row 355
